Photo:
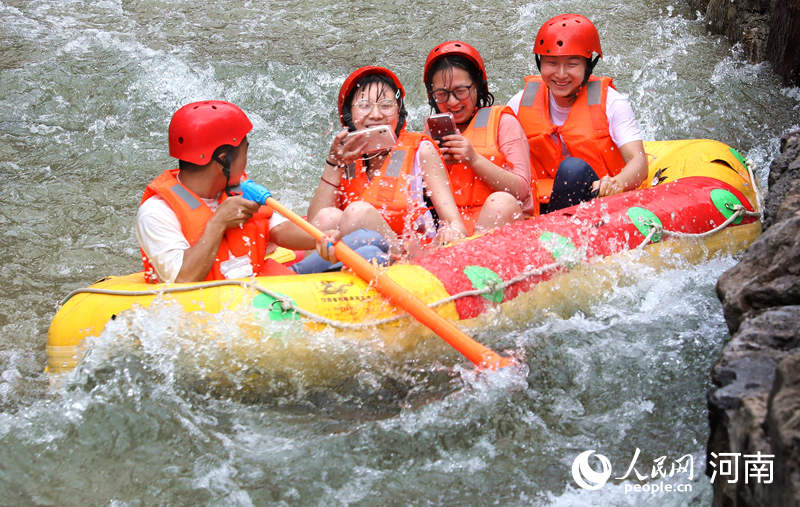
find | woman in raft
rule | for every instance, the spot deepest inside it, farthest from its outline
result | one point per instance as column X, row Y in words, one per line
column 487, row 158
column 584, row 138
column 388, row 191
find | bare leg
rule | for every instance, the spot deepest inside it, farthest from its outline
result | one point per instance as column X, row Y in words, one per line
column 327, row 219
column 499, row 209
column 362, row 215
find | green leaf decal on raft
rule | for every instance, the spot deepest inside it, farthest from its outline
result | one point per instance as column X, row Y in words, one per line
column 739, row 157
column 481, row 277
column 641, row 218
column 724, row 201
column 266, row 302
column 557, row 244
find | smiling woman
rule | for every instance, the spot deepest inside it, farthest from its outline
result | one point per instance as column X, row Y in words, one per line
column 584, row 139
column 352, row 192
column 487, row 159
column 162, row 408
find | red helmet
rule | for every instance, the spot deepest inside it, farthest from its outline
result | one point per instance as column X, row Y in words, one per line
column 453, row 47
column 199, row 128
column 568, row 34
column 352, row 80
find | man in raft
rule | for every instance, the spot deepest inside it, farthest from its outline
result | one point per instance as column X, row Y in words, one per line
column 584, row 138
column 191, row 225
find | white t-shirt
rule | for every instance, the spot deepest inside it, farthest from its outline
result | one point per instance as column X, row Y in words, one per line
column 160, row 236
column 622, row 123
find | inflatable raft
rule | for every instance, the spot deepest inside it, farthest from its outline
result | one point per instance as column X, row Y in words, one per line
column 699, row 191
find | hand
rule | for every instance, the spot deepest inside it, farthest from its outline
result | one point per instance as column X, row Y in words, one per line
column 325, row 247
column 457, row 148
column 607, row 185
column 449, row 233
column 235, row 211
column 346, row 151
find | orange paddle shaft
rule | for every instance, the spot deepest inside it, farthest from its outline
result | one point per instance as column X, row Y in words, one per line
column 479, row 354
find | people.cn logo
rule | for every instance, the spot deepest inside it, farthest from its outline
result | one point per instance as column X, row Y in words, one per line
column 585, row 476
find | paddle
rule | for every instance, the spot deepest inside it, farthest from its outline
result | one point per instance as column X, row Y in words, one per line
column 479, row 354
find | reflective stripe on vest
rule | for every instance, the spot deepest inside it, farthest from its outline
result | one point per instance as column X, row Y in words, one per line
column 585, row 133
column 395, row 165
column 193, row 214
column 482, row 118
column 187, row 197
column 594, row 92
column 531, row 89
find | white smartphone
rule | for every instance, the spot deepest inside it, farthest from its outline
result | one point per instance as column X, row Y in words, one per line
column 378, row 138
column 440, row 125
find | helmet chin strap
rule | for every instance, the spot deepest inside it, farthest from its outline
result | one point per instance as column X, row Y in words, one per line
column 590, row 63
column 574, row 96
column 225, row 162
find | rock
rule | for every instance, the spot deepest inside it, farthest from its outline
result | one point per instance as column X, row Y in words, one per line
column 768, row 275
column 754, row 40
column 769, row 30
column 769, row 272
column 783, row 45
column 784, row 181
column 755, row 404
column 745, row 21
column 783, row 429
column 756, row 409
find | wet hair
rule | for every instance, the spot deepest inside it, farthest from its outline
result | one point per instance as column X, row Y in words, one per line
column 364, row 83
column 485, row 98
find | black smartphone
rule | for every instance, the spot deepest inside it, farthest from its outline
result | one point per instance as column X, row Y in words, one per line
column 441, row 125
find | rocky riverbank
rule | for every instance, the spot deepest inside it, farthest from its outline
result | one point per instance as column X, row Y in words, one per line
column 769, row 30
column 755, row 406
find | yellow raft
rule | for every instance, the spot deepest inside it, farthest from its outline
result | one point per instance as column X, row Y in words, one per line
column 699, row 199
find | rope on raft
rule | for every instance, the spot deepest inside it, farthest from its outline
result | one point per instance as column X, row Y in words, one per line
column 286, row 304
column 656, row 229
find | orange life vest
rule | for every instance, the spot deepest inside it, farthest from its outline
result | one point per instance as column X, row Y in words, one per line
column 193, row 214
column 388, row 190
column 469, row 190
column 585, row 133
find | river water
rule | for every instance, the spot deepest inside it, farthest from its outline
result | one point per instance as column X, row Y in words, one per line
column 86, row 93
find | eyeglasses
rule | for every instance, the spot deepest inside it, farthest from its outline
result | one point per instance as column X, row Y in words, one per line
column 385, row 106
column 441, row 95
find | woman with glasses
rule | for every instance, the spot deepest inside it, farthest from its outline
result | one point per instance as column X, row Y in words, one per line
column 383, row 192
column 487, row 159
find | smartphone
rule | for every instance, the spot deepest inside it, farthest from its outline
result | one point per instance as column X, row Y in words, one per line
column 440, row 125
column 378, row 138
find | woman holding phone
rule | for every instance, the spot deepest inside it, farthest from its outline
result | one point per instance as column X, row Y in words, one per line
column 384, row 191
column 487, row 157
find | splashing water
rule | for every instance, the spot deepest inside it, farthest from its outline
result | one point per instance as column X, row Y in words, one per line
column 160, row 409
